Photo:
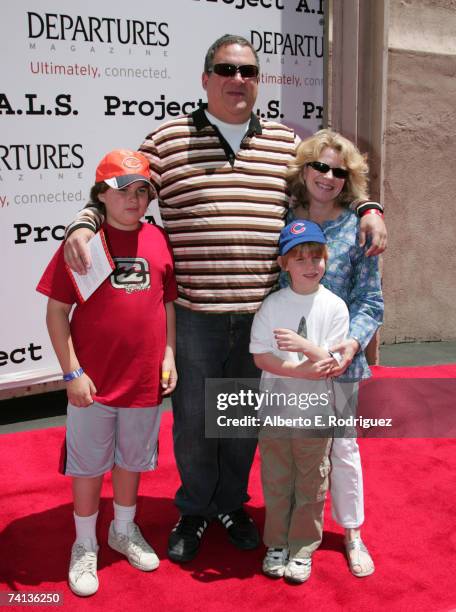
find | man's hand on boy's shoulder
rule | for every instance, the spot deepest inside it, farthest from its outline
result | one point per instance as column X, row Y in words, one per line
column 76, row 251
column 80, row 391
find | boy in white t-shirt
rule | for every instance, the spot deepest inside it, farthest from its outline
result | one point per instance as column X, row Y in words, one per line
column 290, row 337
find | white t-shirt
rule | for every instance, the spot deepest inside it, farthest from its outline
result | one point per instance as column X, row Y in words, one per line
column 233, row 133
column 323, row 314
column 321, row 317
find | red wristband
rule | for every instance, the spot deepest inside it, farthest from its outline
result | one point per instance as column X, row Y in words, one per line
column 373, row 211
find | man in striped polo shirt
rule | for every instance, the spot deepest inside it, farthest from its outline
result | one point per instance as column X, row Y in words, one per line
column 220, row 177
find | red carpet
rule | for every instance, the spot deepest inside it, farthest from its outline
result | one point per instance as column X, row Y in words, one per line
column 410, row 501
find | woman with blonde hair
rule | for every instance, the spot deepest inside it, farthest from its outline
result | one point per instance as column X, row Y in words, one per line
column 327, row 180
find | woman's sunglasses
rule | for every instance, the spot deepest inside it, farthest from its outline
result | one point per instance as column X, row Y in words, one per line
column 247, row 71
column 340, row 173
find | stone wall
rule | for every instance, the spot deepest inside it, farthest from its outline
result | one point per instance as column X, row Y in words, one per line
column 420, row 172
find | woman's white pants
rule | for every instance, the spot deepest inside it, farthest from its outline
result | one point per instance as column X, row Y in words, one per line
column 346, row 479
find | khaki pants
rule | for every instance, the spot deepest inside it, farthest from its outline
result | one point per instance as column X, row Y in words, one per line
column 294, row 473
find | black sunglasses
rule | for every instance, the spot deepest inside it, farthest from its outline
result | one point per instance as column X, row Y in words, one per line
column 247, row 71
column 340, row 173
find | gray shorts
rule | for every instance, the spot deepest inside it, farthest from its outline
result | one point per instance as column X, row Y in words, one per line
column 99, row 437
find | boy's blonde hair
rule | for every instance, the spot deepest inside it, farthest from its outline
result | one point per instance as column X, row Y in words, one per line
column 310, row 149
column 316, row 249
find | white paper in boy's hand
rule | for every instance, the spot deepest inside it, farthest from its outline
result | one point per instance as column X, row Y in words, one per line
column 336, row 356
column 102, row 266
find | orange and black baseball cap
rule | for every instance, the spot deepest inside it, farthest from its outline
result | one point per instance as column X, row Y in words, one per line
column 122, row 167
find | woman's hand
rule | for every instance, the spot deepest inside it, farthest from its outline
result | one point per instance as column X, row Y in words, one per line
column 80, row 391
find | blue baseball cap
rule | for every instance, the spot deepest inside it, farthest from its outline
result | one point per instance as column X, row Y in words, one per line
column 299, row 232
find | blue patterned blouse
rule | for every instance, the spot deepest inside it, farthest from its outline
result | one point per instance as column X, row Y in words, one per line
column 354, row 278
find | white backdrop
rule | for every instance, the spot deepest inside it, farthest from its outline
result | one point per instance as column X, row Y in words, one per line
column 81, row 78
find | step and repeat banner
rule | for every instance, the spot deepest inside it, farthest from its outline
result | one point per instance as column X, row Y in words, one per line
column 81, row 78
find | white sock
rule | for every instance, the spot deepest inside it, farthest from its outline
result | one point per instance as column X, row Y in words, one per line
column 86, row 530
column 123, row 515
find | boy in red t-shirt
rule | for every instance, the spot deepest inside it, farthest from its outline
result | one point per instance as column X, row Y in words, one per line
column 117, row 355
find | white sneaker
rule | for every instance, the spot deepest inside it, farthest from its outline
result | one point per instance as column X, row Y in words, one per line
column 298, row 570
column 275, row 561
column 82, row 575
column 138, row 552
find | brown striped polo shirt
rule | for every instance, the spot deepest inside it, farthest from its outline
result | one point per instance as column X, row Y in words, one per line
column 223, row 212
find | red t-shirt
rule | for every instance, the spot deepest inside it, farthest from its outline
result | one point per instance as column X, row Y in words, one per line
column 119, row 333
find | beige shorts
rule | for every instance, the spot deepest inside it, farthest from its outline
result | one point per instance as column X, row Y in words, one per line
column 99, row 437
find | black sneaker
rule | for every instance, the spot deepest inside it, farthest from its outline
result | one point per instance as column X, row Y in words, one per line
column 185, row 539
column 241, row 529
